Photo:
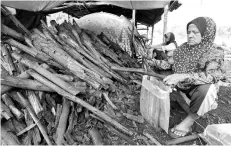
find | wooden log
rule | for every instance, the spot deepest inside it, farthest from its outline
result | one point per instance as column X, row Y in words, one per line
column 7, row 100
column 124, row 56
column 62, row 122
column 8, row 31
column 35, row 118
column 182, row 139
column 5, row 111
column 33, row 52
column 3, row 72
column 58, row 114
column 24, row 83
column 138, row 119
column 8, row 59
column 95, row 136
column 63, row 58
column 81, row 102
column 34, row 101
column 81, row 49
column 8, row 138
column 7, row 13
column 87, row 42
column 26, row 129
column 91, row 70
column 121, row 135
column 75, row 53
column 13, row 94
column 35, row 135
column 151, row 138
column 72, row 119
column 46, row 73
column 103, row 49
column 11, row 81
column 24, row 75
column 64, row 77
column 105, row 95
column 142, row 71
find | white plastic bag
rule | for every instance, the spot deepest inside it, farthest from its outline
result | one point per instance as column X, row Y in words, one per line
column 155, row 102
column 217, row 134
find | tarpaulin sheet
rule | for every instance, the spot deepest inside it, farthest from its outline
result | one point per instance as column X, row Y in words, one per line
column 138, row 5
column 48, row 5
column 33, row 5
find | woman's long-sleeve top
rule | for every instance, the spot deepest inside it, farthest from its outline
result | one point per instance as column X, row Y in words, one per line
column 210, row 67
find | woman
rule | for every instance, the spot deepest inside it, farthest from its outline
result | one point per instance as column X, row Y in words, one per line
column 197, row 66
column 165, row 50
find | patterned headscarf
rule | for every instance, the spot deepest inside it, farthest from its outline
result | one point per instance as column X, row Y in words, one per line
column 187, row 57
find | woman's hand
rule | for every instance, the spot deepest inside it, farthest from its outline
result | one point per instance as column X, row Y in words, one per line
column 175, row 78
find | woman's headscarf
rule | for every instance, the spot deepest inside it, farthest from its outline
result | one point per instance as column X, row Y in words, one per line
column 171, row 39
column 186, row 57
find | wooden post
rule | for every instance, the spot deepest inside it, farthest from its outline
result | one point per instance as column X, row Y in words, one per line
column 133, row 28
column 152, row 34
column 165, row 20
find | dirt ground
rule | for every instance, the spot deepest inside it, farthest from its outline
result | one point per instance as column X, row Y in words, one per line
column 221, row 115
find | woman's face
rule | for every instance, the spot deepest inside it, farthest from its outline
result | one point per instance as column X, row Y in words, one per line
column 194, row 35
column 167, row 37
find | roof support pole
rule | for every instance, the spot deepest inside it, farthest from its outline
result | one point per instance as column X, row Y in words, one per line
column 133, row 29
column 152, row 34
column 165, row 20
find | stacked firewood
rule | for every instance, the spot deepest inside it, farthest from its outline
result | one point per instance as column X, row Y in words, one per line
column 51, row 79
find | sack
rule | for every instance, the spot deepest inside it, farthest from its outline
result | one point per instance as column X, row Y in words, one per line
column 155, row 102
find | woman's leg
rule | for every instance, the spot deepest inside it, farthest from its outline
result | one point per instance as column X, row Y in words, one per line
column 160, row 55
column 202, row 100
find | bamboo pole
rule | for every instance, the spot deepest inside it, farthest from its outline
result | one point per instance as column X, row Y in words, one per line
column 81, row 102
column 46, row 73
column 35, row 118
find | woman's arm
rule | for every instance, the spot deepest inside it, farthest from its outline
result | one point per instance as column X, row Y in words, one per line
column 213, row 68
column 158, row 46
column 169, row 47
column 160, row 64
